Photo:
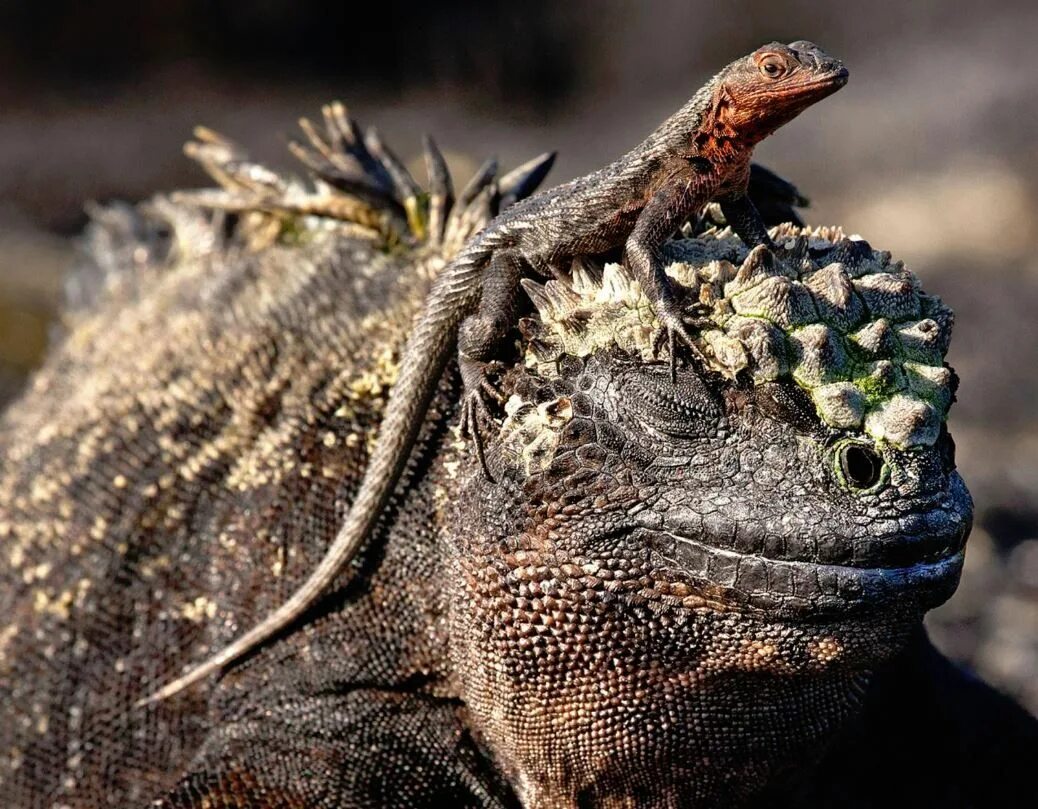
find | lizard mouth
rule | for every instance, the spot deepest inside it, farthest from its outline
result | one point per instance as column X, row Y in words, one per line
column 821, row 86
column 837, row 76
column 818, row 86
column 788, row 580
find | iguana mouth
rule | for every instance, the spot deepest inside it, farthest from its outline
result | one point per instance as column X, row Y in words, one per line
column 924, row 569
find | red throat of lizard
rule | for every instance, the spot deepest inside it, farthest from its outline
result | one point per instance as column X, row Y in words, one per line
column 718, row 138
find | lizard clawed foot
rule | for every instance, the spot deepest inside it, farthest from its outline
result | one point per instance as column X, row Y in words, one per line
column 674, row 330
column 475, row 407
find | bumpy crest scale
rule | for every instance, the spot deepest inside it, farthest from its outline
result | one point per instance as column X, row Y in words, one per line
column 847, row 323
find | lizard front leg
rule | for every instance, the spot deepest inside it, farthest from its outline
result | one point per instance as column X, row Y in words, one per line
column 479, row 340
column 669, row 207
column 743, row 217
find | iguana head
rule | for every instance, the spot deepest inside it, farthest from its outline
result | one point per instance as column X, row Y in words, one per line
column 804, row 470
column 772, row 525
column 768, row 88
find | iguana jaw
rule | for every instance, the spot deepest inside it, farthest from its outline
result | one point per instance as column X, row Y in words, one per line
column 917, row 561
column 794, row 589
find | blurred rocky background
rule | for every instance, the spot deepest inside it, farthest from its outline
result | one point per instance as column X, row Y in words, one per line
column 930, row 152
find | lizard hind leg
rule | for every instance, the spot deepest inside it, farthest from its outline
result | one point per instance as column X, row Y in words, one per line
column 480, row 339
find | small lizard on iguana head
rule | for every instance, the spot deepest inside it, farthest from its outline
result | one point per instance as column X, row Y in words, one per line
column 699, row 155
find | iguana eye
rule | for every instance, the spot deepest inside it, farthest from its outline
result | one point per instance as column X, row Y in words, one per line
column 858, row 466
column 772, row 66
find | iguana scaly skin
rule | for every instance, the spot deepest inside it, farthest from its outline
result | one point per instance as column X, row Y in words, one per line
column 705, row 592
column 699, row 155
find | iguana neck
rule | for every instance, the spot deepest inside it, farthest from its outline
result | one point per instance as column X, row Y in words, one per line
column 596, row 726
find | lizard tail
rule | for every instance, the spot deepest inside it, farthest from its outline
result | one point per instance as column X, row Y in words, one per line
column 454, row 294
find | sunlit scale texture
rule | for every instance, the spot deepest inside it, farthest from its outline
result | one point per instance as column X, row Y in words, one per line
column 175, row 470
column 182, row 461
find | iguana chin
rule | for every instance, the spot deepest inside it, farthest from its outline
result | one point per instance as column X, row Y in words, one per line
column 705, row 592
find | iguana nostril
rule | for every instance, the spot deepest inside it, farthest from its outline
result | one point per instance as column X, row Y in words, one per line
column 862, row 468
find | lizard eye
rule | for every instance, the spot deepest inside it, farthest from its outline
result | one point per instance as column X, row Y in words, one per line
column 772, row 66
column 858, row 466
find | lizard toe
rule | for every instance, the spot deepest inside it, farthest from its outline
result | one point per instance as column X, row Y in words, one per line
column 674, row 332
column 474, row 410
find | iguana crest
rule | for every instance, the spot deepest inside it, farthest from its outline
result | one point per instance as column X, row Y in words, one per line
column 854, row 328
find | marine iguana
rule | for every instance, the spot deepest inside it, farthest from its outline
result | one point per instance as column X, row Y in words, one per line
column 699, row 155
column 703, row 593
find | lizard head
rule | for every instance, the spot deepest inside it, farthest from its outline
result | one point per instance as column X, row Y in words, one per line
column 776, row 83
